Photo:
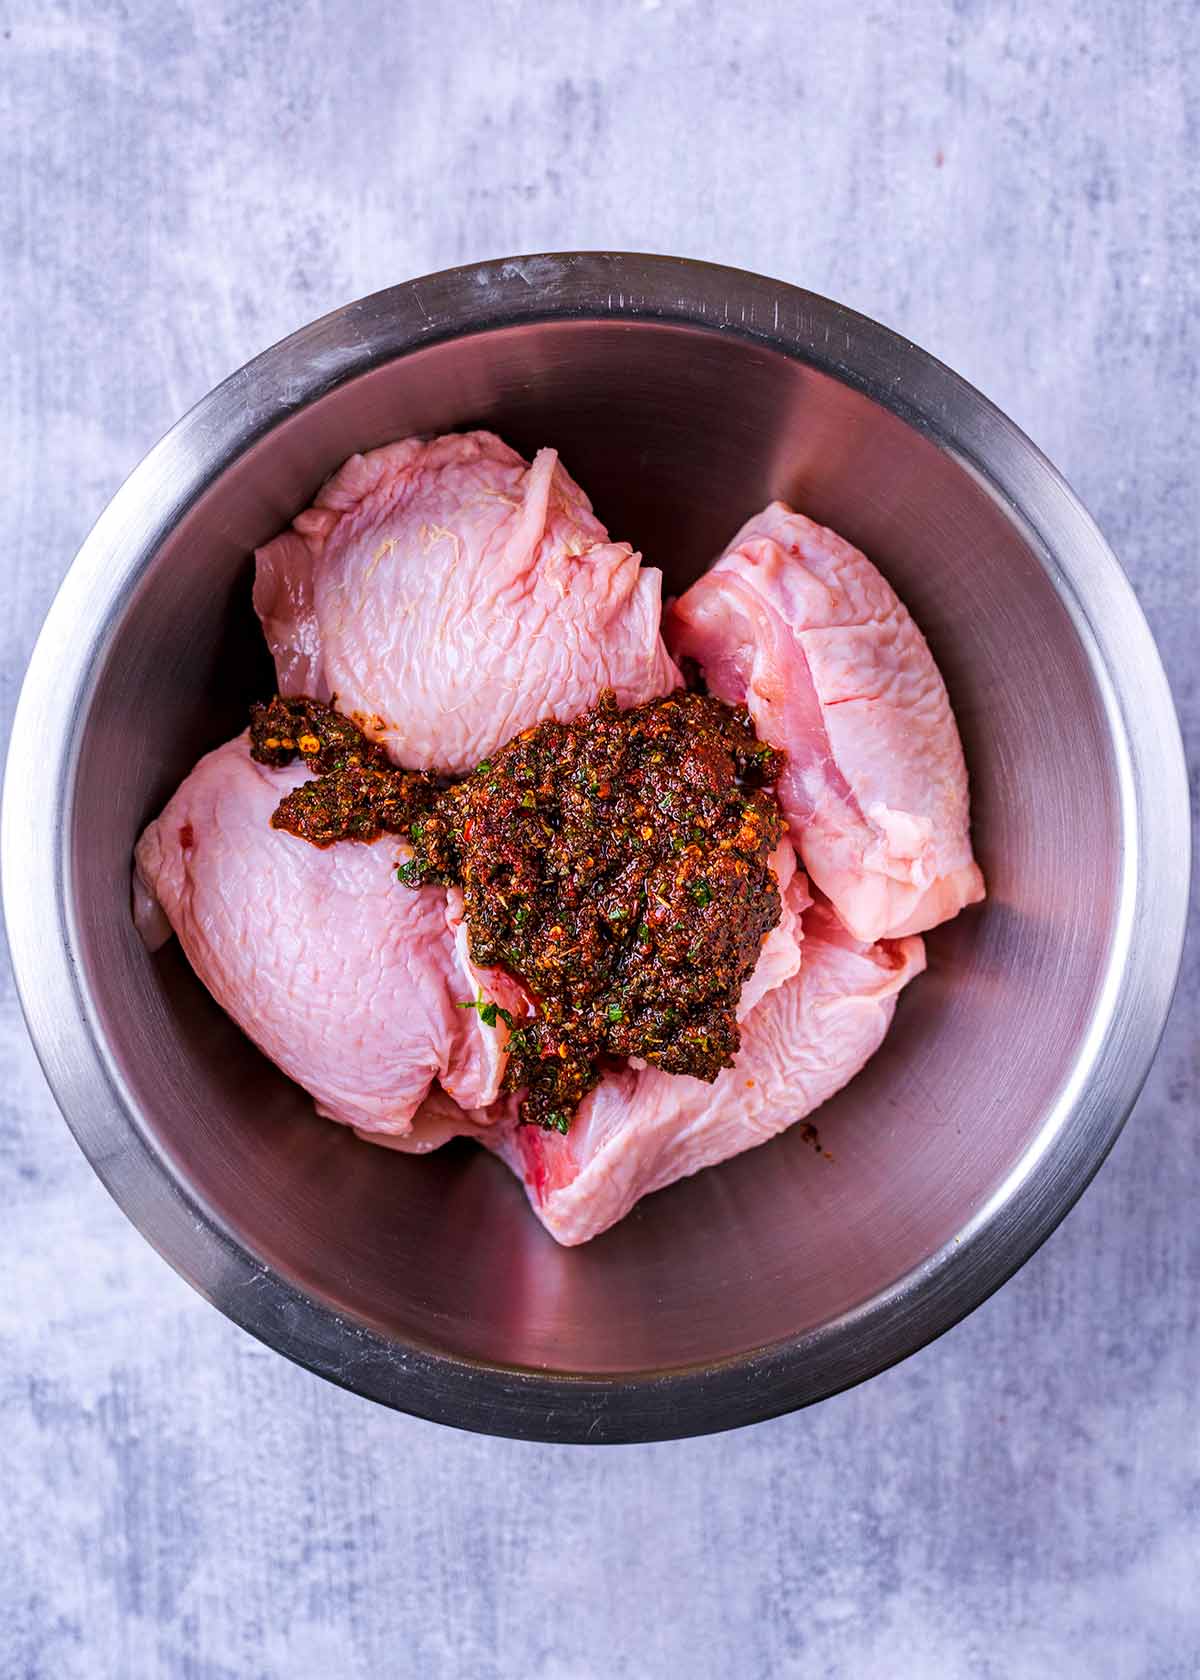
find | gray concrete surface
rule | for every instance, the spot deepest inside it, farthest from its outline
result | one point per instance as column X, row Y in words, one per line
column 1015, row 187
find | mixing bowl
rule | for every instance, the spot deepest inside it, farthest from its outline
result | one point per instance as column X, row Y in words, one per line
column 683, row 397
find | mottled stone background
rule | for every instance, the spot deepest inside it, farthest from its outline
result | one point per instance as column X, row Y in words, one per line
column 1016, row 187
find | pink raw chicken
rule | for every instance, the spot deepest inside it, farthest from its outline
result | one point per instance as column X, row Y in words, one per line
column 800, row 626
column 349, row 982
column 642, row 1130
column 441, row 1119
column 449, row 595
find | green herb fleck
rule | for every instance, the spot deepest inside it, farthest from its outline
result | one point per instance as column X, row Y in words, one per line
column 489, row 1012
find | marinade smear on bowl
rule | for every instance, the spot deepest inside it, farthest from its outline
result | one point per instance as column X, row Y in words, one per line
column 617, row 866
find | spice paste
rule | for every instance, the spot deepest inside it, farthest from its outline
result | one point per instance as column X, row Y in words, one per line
column 617, row 866
column 356, row 793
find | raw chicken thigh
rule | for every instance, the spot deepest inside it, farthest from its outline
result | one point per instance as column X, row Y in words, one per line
column 346, row 981
column 799, row 625
column 449, row 595
column 642, row 1130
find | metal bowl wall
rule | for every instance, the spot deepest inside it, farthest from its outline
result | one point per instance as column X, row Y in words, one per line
column 682, row 397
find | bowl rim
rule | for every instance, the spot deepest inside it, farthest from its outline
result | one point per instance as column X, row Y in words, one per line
column 1130, row 1012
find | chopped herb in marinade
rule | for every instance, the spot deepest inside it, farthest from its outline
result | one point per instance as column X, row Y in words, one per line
column 617, row 867
column 489, row 1013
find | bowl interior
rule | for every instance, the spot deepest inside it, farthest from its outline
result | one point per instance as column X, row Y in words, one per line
column 677, row 433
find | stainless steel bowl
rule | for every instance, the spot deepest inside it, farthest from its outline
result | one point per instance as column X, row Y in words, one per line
column 683, row 397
